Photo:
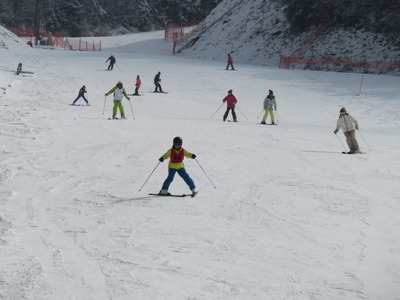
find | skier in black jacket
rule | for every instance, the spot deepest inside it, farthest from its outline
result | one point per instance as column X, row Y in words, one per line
column 157, row 81
column 112, row 62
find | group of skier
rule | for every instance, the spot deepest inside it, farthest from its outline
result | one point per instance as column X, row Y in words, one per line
column 177, row 153
column 269, row 106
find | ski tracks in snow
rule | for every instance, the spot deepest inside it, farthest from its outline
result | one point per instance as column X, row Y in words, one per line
column 28, row 149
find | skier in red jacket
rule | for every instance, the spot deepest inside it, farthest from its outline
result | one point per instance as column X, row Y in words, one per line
column 230, row 62
column 230, row 105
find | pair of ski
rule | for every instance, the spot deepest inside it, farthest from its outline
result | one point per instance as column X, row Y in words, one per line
column 174, row 195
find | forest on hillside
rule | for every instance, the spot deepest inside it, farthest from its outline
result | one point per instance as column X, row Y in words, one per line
column 102, row 17
column 380, row 16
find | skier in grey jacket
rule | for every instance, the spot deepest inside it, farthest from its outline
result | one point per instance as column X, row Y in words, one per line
column 269, row 105
column 349, row 126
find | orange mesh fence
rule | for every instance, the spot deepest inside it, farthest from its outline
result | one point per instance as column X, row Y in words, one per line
column 286, row 61
column 172, row 32
column 178, row 35
column 54, row 40
column 80, row 45
column 320, row 29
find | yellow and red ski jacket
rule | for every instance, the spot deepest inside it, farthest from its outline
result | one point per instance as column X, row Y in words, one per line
column 176, row 157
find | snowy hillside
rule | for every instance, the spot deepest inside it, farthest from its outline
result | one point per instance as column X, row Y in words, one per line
column 290, row 217
column 257, row 32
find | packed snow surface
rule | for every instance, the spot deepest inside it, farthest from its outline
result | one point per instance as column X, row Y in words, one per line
column 290, row 217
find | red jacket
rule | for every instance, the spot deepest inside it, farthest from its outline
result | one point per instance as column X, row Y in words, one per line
column 231, row 100
column 230, row 60
column 138, row 82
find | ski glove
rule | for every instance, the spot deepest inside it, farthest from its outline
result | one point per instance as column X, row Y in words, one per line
column 161, row 159
column 193, row 156
column 129, row 99
column 356, row 127
column 336, row 131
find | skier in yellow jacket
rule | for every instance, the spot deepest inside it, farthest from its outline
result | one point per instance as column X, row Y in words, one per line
column 176, row 154
column 119, row 93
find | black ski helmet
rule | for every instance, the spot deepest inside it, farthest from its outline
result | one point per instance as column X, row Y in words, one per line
column 178, row 141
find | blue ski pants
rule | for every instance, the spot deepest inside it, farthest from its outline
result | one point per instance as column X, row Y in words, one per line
column 79, row 96
column 182, row 172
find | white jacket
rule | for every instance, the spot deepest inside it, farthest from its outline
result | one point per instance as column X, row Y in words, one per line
column 118, row 94
column 347, row 123
column 269, row 102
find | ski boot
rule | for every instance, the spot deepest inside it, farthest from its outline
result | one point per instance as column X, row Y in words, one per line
column 164, row 193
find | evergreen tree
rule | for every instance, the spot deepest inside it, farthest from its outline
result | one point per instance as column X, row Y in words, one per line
column 143, row 15
column 77, row 17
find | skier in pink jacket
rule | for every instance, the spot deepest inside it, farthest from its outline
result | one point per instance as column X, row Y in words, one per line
column 231, row 101
column 137, row 85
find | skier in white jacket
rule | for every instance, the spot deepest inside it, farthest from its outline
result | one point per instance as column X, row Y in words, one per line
column 349, row 126
column 119, row 92
column 269, row 105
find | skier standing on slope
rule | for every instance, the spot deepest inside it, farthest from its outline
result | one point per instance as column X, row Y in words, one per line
column 137, row 85
column 112, row 62
column 157, row 81
column 176, row 155
column 231, row 101
column 269, row 105
column 230, row 62
column 119, row 93
column 81, row 94
column 19, row 68
column 349, row 126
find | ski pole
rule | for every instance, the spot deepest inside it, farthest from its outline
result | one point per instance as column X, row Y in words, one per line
column 361, row 84
column 104, row 106
column 217, row 110
column 241, row 112
column 341, row 142
column 205, row 173
column 364, row 140
column 276, row 116
column 131, row 109
column 149, row 176
column 260, row 114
